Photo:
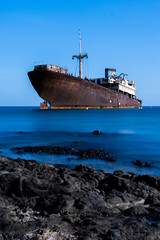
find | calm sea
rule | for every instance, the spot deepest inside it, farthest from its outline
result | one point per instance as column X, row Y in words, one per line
column 128, row 135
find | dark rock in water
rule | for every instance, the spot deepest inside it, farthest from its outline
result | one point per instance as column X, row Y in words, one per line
column 82, row 154
column 92, row 153
column 142, row 164
column 20, row 132
column 39, row 201
column 45, row 149
column 109, row 159
column 96, row 132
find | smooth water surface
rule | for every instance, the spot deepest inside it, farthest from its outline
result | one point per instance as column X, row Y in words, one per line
column 127, row 134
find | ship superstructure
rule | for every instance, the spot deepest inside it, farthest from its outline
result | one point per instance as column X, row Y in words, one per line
column 50, row 67
column 118, row 83
column 61, row 90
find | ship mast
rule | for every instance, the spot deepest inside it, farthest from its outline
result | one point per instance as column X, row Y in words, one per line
column 80, row 56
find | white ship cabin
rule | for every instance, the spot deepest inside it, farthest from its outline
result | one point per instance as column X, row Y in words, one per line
column 49, row 67
column 118, row 83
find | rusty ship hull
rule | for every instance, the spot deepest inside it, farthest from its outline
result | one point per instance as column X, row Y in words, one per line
column 64, row 91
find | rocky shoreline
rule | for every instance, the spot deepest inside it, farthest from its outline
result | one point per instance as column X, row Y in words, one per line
column 40, row 201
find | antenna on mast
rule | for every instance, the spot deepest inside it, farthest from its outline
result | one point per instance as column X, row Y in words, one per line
column 80, row 42
column 80, row 56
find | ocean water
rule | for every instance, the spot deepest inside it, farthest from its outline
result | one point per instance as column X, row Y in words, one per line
column 127, row 134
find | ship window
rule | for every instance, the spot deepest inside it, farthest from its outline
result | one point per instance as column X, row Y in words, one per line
column 98, row 81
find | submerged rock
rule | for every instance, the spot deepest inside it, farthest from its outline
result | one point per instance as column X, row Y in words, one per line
column 39, row 201
column 142, row 164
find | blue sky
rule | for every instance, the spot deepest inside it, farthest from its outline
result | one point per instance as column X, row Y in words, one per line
column 120, row 34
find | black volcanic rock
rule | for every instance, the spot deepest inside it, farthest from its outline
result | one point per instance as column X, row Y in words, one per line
column 39, row 201
column 82, row 154
column 142, row 164
column 96, row 132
